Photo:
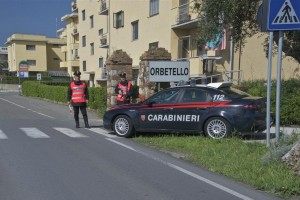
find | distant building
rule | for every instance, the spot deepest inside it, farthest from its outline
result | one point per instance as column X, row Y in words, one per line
column 71, row 35
column 3, row 54
column 43, row 54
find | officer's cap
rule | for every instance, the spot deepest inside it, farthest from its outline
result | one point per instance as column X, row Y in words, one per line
column 122, row 75
column 77, row 73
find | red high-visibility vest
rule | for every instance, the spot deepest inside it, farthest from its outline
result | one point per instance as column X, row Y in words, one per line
column 124, row 89
column 78, row 95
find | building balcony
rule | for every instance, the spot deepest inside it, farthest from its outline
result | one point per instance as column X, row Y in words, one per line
column 63, row 49
column 103, row 42
column 74, row 63
column 185, row 17
column 74, row 31
column 74, row 46
column 63, row 64
column 103, row 8
column 74, row 7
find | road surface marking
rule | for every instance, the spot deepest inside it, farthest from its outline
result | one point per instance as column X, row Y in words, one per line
column 70, row 132
column 196, row 176
column 27, row 108
column 34, row 133
column 103, row 132
column 2, row 135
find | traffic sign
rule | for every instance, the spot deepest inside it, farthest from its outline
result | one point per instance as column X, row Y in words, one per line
column 284, row 15
column 38, row 76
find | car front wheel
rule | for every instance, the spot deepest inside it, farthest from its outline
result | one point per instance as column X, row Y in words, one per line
column 123, row 126
column 217, row 128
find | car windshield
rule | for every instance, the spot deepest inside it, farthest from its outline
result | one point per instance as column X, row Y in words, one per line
column 233, row 92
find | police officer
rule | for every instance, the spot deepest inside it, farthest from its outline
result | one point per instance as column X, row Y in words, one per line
column 78, row 93
column 123, row 90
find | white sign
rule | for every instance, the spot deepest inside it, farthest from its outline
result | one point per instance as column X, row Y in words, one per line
column 24, row 74
column 38, row 76
column 169, row 71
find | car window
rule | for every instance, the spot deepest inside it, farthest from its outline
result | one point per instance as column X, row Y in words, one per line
column 234, row 93
column 195, row 95
column 165, row 96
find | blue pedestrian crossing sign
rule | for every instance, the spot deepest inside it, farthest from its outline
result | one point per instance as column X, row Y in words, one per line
column 284, row 15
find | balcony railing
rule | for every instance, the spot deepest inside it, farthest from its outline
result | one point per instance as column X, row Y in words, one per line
column 103, row 8
column 185, row 17
column 103, row 41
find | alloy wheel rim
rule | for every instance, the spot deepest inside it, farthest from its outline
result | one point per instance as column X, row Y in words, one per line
column 216, row 129
column 121, row 126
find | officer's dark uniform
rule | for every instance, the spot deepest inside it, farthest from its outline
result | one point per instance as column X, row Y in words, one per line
column 78, row 93
column 125, row 87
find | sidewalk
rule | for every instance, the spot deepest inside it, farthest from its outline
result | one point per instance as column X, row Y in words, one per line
column 285, row 130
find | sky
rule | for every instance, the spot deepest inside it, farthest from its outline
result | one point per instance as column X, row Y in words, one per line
column 32, row 17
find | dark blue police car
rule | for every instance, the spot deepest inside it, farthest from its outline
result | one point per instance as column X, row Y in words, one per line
column 216, row 109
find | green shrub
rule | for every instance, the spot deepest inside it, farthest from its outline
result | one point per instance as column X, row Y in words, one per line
column 58, row 93
column 289, row 97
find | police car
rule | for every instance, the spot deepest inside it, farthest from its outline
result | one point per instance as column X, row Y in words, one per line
column 216, row 110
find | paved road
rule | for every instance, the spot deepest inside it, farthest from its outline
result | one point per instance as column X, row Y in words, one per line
column 44, row 157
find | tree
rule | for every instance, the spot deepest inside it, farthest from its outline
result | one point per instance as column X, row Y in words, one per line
column 238, row 17
column 290, row 47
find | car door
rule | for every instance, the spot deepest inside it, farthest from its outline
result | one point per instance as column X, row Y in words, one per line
column 157, row 115
column 192, row 106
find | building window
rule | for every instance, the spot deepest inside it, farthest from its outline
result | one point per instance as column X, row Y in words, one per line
column 154, row 7
column 153, row 45
column 119, row 19
column 100, row 62
column 84, row 41
column 84, row 65
column 92, row 48
column 100, row 32
column 135, row 30
column 83, row 15
column 92, row 21
column 31, row 63
column 30, row 47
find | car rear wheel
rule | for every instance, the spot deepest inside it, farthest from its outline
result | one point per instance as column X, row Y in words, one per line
column 123, row 126
column 217, row 128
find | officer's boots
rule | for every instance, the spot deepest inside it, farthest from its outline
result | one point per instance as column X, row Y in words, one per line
column 76, row 121
column 77, row 124
column 86, row 122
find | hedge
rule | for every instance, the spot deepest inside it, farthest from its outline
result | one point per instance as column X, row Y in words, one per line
column 289, row 98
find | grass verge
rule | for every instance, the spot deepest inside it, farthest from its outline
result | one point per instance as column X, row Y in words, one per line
column 231, row 157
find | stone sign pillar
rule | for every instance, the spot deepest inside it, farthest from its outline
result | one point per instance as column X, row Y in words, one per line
column 118, row 62
column 147, row 89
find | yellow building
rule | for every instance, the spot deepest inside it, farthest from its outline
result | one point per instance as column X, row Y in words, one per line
column 134, row 26
column 70, row 34
column 42, row 54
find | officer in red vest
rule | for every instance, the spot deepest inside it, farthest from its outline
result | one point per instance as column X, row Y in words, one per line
column 79, row 95
column 123, row 90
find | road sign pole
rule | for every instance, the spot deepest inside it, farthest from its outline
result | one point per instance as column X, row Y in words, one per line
column 19, row 82
column 269, row 87
column 279, row 63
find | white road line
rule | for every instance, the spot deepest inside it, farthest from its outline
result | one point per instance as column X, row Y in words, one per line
column 70, row 132
column 2, row 135
column 196, row 176
column 103, row 132
column 27, row 108
column 12, row 103
column 34, row 133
